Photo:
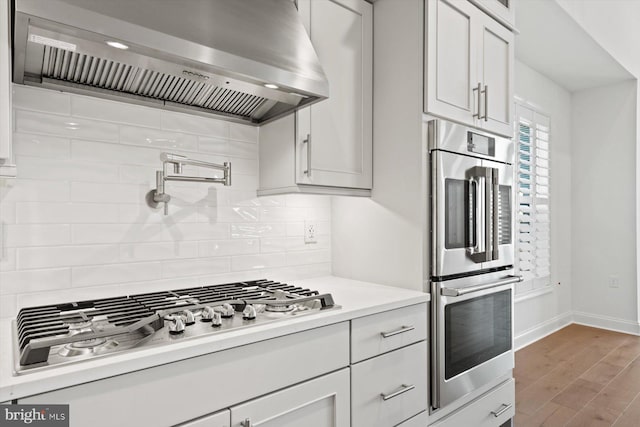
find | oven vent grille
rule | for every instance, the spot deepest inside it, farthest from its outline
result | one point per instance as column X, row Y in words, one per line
column 87, row 70
column 504, row 215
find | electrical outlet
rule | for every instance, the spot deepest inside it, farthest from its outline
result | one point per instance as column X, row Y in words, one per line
column 310, row 232
column 614, row 282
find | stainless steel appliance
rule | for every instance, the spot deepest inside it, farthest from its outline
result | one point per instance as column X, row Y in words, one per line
column 243, row 60
column 472, row 255
column 60, row 334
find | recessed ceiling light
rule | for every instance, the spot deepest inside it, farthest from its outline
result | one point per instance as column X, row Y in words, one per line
column 118, row 45
column 270, row 86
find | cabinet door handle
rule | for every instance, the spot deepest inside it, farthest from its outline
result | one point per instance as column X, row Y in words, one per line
column 397, row 331
column 405, row 388
column 308, row 142
column 246, row 422
column 486, row 103
column 503, row 408
column 479, row 89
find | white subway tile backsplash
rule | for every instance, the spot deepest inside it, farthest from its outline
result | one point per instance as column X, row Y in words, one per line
column 243, row 132
column 227, row 247
column 65, row 213
column 28, row 98
column 83, row 234
column 112, row 111
column 117, row 154
column 158, row 251
column 254, row 262
column 65, row 126
column 159, row 139
column 32, row 190
column 255, row 231
column 195, row 267
column 7, row 259
column 37, row 235
column 194, row 124
column 275, row 214
column 8, row 306
column 24, row 281
column 115, row 273
column 107, row 192
column 308, row 257
column 49, row 147
column 75, row 224
column 285, row 244
column 58, row 256
column 195, row 231
column 65, row 170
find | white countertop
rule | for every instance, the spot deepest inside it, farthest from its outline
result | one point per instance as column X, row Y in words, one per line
column 356, row 298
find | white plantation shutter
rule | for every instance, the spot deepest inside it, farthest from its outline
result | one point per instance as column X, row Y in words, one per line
column 533, row 223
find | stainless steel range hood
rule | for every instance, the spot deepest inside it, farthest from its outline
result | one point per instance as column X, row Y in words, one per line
column 247, row 60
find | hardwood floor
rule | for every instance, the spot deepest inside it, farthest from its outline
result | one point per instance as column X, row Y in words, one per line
column 579, row 377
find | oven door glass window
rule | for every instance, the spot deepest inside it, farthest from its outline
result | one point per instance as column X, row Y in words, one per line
column 476, row 330
column 458, row 215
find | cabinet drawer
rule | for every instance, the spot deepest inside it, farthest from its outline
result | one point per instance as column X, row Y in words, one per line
column 219, row 419
column 420, row 420
column 212, row 382
column 383, row 332
column 490, row 410
column 391, row 388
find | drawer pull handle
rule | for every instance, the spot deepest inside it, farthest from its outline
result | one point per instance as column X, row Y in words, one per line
column 396, row 332
column 405, row 388
column 503, row 408
column 246, row 423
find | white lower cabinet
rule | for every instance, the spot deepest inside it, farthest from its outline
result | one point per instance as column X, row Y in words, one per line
column 490, row 410
column 388, row 389
column 322, row 402
column 420, row 420
column 219, row 419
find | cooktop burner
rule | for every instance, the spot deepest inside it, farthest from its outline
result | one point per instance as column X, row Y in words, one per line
column 71, row 332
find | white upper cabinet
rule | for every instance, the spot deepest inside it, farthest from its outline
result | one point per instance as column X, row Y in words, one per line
column 327, row 147
column 7, row 168
column 502, row 10
column 469, row 66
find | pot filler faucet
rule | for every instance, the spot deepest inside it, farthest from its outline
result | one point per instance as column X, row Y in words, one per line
column 157, row 196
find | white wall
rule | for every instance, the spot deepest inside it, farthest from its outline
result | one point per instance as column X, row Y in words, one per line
column 614, row 24
column 75, row 224
column 603, row 200
column 547, row 311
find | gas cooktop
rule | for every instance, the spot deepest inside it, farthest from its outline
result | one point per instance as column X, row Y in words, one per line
column 66, row 333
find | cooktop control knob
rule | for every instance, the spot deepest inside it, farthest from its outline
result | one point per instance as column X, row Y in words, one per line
column 207, row 314
column 189, row 318
column 227, row 311
column 176, row 326
column 216, row 320
column 249, row 312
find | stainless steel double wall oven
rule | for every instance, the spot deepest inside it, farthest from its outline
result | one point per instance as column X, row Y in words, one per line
column 472, row 260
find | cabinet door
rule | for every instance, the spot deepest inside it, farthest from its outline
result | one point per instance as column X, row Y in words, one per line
column 6, row 166
column 451, row 87
column 334, row 137
column 323, row 402
column 496, row 73
column 219, row 419
column 501, row 9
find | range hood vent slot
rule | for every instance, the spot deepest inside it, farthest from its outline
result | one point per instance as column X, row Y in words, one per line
column 73, row 67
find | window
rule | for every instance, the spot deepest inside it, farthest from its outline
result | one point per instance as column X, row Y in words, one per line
column 533, row 221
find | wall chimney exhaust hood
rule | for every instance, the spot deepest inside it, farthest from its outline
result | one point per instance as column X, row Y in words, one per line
column 246, row 60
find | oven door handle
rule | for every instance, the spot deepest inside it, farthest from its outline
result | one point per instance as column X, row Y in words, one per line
column 495, row 214
column 453, row 292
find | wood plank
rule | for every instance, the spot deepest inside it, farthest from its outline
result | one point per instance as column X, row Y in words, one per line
column 631, row 416
column 578, row 394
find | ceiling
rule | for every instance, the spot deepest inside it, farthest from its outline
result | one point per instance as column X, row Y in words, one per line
column 553, row 43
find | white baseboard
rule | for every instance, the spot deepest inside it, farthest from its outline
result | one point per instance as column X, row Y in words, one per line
column 604, row 322
column 543, row 329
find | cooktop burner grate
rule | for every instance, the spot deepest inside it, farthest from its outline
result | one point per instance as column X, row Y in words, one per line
column 95, row 322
